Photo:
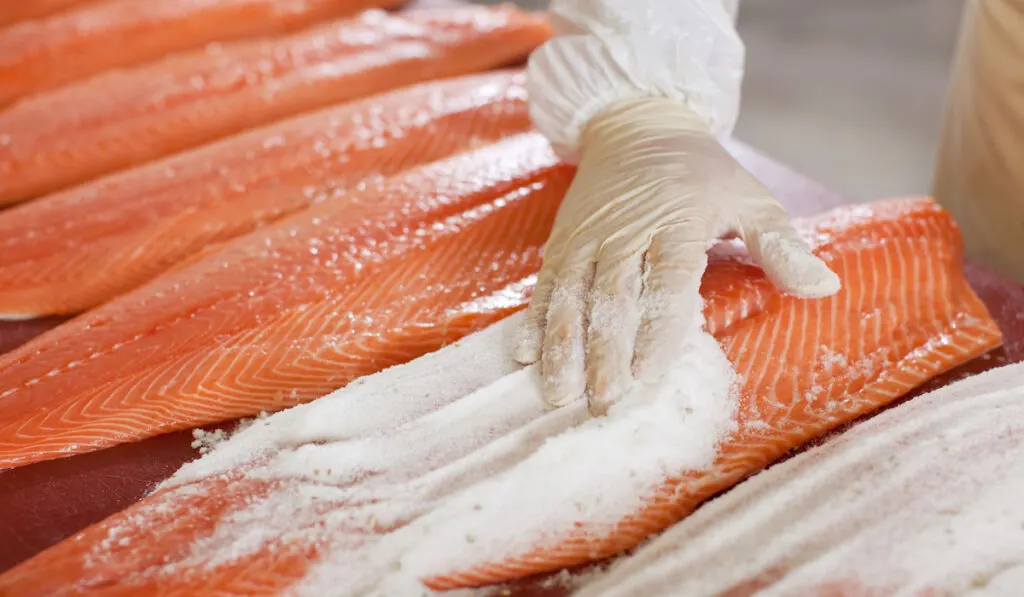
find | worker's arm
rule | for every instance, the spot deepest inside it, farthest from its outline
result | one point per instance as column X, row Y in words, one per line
column 638, row 93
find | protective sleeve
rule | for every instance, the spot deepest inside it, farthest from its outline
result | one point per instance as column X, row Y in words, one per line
column 606, row 51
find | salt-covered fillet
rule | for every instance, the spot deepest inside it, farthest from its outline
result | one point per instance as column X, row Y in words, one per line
column 374, row 277
column 73, row 250
column 372, row 406
column 447, row 470
column 922, row 500
column 128, row 117
column 44, row 53
column 905, row 314
column 12, row 12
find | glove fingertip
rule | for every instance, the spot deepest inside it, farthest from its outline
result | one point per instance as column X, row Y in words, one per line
column 563, row 386
column 792, row 266
column 528, row 340
column 561, row 360
column 807, row 276
column 599, row 406
column 821, row 284
column 527, row 344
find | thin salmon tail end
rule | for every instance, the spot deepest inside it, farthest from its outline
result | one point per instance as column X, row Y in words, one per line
column 98, row 559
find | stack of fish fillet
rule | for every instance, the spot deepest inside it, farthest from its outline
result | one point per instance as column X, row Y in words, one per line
column 274, row 253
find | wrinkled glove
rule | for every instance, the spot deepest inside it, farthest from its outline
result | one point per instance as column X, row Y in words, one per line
column 619, row 287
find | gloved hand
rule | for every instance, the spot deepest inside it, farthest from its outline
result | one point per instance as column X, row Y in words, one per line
column 654, row 188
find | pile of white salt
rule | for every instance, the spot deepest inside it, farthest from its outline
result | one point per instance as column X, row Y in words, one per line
column 924, row 499
column 454, row 460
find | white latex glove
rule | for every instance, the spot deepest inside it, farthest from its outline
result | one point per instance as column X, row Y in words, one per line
column 637, row 92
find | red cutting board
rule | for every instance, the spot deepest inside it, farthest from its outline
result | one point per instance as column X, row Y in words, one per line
column 44, row 503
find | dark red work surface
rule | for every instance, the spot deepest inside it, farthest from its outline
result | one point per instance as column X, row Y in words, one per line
column 44, row 503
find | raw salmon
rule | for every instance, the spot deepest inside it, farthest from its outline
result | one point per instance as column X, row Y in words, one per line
column 73, row 250
column 905, row 315
column 371, row 278
column 44, row 53
column 12, row 12
column 345, row 474
column 124, row 118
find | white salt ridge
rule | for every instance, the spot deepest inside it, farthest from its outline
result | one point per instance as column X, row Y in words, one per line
column 535, row 484
column 205, row 441
column 388, row 478
column 370, row 405
column 460, row 456
column 924, row 497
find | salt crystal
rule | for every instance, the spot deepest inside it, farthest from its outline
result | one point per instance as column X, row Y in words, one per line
column 205, row 441
column 828, row 358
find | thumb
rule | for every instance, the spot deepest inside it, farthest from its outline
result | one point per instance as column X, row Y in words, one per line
column 787, row 260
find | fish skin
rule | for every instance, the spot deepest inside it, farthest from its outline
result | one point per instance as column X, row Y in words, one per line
column 74, row 250
column 374, row 277
column 742, row 306
column 13, row 12
column 45, row 53
column 125, row 118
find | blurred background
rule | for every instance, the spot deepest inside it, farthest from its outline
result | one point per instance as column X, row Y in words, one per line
column 850, row 92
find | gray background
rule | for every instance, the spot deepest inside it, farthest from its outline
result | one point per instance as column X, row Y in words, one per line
column 848, row 91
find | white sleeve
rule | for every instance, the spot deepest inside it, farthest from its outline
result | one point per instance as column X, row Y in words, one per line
column 606, row 51
column 732, row 7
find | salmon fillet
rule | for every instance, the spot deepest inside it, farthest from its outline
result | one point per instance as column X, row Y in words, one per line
column 128, row 117
column 73, row 250
column 44, row 53
column 12, row 12
column 233, row 523
column 374, row 277
column 905, row 315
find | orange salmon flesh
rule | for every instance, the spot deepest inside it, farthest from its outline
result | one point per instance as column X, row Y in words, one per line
column 41, row 54
column 386, row 272
column 74, row 250
column 12, row 12
column 124, row 118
